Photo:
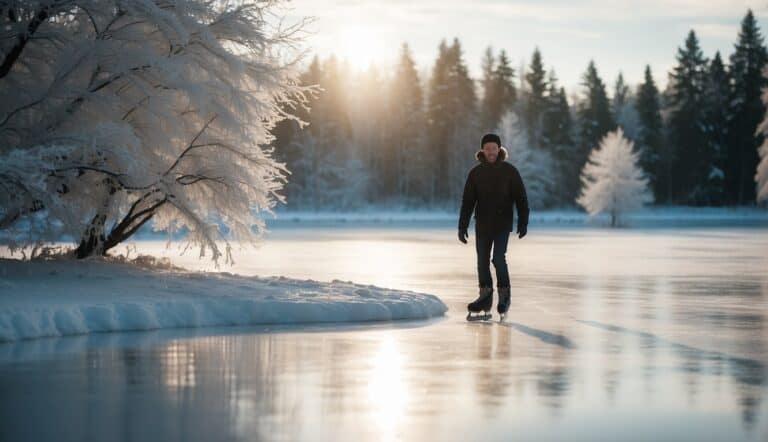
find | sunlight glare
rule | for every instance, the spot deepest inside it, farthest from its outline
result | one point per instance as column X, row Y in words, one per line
column 360, row 46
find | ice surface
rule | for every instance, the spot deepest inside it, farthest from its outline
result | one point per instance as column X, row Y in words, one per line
column 613, row 334
column 57, row 298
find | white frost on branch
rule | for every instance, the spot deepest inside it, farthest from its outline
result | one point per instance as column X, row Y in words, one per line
column 114, row 113
column 612, row 180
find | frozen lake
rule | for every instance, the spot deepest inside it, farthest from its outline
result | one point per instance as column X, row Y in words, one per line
column 630, row 334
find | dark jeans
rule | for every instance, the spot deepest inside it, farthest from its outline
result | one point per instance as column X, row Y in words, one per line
column 483, row 245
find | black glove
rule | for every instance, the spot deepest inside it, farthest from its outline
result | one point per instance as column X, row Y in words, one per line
column 463, row 235
column 521, row 231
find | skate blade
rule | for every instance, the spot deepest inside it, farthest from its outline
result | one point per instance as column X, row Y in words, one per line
column 484, row 317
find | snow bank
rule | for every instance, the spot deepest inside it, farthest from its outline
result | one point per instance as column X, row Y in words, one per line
column 56, row 298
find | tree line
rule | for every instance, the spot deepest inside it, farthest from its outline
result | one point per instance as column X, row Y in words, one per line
column 399, row 139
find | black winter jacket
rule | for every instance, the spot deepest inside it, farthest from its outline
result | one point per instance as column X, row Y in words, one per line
column 491, row 190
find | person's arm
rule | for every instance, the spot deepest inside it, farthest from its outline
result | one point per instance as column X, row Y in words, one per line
column 521, row 204
column 468, row 201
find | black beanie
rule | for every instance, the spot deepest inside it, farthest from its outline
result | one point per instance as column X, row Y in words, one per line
column 490, row 138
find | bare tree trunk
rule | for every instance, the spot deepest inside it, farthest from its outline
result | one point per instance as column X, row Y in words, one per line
column 92, row 240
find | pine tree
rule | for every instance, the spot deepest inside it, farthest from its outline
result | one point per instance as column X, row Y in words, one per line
column 332, row 114
column 451, row 126
column 716, row 95
column 295, row 146
column 370, row 137
column 464, row 131
column 623, row 110
column 535, row 101
column 594, row 113
column 505, row 84
column 620, row 93
column 746, row 109
column 612, row 180
column 489, row 105
column 406, row 129
column 556, row 120
column 500, row 92
column 557, row 126
column 332, row 137
column 651, row 136
column 690, row 155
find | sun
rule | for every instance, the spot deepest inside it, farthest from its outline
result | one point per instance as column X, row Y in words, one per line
column 360, row 46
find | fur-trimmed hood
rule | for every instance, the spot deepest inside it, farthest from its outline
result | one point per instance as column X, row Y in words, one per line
column 503, row 155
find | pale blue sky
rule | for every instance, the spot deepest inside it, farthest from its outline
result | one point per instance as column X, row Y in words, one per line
column 618, row 35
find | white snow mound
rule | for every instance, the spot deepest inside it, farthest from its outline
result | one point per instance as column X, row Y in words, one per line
column 58, row 298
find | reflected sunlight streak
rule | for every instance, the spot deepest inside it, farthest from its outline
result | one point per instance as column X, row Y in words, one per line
column 387, row 391
column 178, row 361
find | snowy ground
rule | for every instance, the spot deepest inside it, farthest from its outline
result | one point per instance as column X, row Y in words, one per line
column 58, row 298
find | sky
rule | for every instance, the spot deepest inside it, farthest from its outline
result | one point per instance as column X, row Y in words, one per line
column 618, row 35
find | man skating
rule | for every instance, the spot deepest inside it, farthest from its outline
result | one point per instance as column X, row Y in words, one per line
column 492, row 188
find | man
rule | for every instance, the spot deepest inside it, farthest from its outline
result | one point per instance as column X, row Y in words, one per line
column 493, row 187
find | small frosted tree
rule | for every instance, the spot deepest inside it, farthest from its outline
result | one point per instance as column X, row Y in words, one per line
column 761, row 176
column 117, row 112
column 611, row 179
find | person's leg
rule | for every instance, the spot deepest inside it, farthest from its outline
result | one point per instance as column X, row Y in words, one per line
column 483, row 248
column 499, row 259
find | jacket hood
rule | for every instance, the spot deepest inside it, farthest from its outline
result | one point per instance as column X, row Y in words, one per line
column 503, row 154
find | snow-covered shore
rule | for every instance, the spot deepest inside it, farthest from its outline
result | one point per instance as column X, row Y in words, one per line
column 57, row 298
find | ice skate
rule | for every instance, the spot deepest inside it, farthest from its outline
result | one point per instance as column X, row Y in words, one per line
column 480, row 308
column 503, row 306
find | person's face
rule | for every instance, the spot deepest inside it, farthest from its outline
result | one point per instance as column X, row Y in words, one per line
column 491, row 151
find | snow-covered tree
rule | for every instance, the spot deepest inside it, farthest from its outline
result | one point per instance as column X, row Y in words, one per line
column 612, row 180
column 536, row 166
column 115, row 113
column 762, row 174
